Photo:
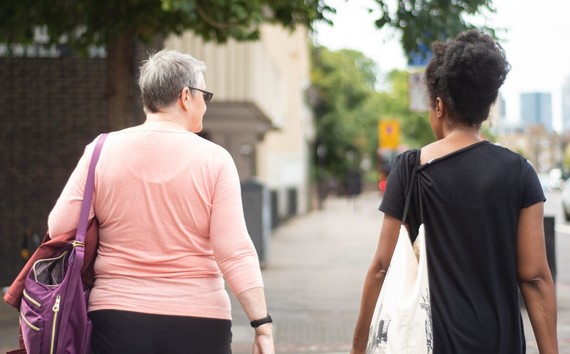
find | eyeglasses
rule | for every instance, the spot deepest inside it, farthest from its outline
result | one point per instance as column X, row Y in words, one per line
column 207, row 95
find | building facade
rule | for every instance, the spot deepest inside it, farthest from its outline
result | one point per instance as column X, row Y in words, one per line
column 53, row 104
column 259, row 111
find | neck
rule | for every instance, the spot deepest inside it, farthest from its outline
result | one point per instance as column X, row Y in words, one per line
column 167, row 117
column 463, row 133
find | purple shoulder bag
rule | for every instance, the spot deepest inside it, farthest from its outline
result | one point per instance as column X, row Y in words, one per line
column 53, row 312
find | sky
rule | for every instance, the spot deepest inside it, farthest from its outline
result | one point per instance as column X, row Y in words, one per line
column 536, row 41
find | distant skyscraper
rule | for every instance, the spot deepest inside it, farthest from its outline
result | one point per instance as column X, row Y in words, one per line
column 536, row 108
column 566, row 105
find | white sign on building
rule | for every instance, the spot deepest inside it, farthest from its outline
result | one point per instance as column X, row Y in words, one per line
column 417, row 92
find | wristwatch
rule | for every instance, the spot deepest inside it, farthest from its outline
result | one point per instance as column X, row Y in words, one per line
column 261, row 321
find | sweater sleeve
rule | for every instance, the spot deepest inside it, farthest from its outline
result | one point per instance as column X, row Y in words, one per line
column 64, row 216
column 230, row 240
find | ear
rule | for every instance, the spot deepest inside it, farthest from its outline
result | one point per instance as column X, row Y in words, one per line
column 185, row 97
column 439, row 107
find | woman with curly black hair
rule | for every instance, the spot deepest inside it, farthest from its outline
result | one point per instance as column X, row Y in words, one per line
column 482, row 211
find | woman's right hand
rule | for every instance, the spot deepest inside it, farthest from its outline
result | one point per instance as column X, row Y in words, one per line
column 263, row 342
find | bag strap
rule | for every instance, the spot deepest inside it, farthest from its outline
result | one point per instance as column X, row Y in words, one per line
column 75, row 284
column 413, row 180
column 89, row 189
column 420, row 188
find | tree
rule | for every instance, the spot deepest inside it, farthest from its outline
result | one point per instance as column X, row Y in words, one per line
column 422, row 22
column 393, row 103
column 347, row 109
column 343, row 83
column 118, row 24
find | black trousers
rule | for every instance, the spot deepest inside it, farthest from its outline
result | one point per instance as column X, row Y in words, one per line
column 124, row 332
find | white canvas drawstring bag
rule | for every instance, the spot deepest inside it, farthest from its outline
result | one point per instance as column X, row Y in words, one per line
column 401, row 323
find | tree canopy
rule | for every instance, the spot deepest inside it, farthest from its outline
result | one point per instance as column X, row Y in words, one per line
column 342, row 83
column 81, row 23
column 348, row 107
column 394, row 104
column 117, row 25
column 346, row 104
column 422, row 22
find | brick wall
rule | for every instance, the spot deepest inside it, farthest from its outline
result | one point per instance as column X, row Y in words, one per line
column 50, row 108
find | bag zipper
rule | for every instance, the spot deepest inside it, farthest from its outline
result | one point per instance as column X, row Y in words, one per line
column 37, row 329
column 31, row 299
column 55, row 312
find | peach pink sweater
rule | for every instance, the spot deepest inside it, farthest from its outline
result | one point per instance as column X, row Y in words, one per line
column 171, row 223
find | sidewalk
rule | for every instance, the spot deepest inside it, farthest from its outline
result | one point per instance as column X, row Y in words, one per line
column 315, row 274
column 8, row 327
column 313, row 279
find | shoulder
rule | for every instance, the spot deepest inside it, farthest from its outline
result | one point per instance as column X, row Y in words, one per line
column 502, row 153
column 509, row 163
column 219, row 160
column 212, row 148
column 409, row 156
column 407, row 159
column 403, row 165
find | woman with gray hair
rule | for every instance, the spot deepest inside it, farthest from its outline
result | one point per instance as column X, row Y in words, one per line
column 171, row 227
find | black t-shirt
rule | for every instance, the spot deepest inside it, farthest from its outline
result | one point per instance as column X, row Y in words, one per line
column 471, row 202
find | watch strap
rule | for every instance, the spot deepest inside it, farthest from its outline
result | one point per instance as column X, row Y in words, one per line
column 261, row 321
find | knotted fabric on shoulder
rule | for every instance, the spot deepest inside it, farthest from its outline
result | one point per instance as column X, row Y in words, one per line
column 50, row 245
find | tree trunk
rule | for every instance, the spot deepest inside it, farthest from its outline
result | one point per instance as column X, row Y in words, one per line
column 121, row 79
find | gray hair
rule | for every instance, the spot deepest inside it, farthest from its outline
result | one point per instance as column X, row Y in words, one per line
column 163, row 76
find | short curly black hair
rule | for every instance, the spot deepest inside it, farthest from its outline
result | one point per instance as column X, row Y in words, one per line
column 466, row 74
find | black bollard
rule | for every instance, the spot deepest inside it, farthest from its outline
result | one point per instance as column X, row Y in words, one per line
column 549, row 236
